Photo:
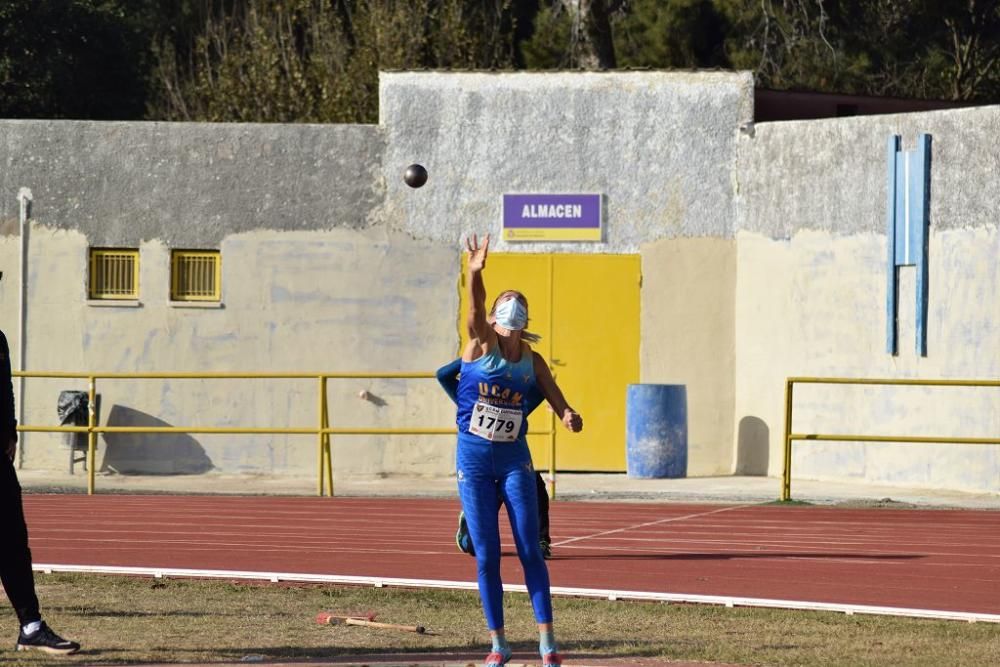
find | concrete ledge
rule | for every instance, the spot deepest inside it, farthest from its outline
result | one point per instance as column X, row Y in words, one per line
column 578, row 487
column 115, row 303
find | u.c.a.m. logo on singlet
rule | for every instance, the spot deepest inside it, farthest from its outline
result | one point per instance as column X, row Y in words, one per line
column 494, row 393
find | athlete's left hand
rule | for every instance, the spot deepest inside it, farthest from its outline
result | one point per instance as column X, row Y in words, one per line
column 572, row 421
column 477, row 252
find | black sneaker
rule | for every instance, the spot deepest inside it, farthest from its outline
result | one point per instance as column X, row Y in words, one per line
column 546, row 549
column 44, row 639
column 462, row 537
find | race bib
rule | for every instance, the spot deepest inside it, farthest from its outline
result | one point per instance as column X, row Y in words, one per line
column 495, row 424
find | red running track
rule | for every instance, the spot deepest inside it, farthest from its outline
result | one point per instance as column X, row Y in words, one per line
column 932, row 559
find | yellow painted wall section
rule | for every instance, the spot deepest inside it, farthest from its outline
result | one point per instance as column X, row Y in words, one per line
column 586, row 308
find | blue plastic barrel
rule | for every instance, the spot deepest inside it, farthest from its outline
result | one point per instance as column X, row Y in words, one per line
column 656, row 442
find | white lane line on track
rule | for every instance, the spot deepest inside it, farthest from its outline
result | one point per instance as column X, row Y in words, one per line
column 608, row 594
column 647, row 523
column 636, row 545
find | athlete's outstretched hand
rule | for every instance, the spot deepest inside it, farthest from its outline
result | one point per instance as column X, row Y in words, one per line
column 477, row 253
column 572, row 421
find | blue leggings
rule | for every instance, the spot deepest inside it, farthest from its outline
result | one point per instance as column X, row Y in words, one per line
column 486, row 473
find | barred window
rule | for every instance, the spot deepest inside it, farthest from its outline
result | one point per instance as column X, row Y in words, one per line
column 114, row 273
column 195, row 275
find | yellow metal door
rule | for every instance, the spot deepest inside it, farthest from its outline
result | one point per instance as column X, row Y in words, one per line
column 586, row 308
column 595, row 354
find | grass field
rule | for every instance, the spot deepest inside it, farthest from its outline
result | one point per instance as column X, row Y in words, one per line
column 123, row 620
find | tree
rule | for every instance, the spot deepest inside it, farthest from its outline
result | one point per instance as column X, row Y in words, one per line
column 796, row 43
column 316, row 61
column 671, row 33
column 574, row 33
column 969, row 46
column 947, row 49
column 70, row 59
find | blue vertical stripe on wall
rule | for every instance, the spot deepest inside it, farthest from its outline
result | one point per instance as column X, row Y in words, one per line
column 902, row 209
column 908, row 207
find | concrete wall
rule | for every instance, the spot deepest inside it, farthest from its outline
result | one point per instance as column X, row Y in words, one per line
column 331, row 263
column 763, row 256
column 689, row 287
column 189, row 184
column 660, row 147
column 309, row 283
column 811, row 295
column 292, row 301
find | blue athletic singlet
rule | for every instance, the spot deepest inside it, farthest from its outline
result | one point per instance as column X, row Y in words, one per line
column 495, row 397
column 493, row 386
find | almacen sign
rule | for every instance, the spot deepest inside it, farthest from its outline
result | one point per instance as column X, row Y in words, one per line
column 552, row 217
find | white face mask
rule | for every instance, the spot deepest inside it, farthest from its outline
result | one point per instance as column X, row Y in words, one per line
column 511, row 314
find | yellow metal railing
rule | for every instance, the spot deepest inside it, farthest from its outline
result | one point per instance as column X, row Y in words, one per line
column 786, row 477
column 322, row 431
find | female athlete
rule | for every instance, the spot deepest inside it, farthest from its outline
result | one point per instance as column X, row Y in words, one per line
column 499, row 369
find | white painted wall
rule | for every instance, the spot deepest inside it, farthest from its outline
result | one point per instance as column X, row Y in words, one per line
column 330, row 301
column 811, row 299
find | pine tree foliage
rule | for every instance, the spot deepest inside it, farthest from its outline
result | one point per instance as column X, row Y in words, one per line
column 311, row 61
column 318, row 60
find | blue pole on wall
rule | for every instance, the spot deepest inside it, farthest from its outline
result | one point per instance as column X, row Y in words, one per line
column 908, row 207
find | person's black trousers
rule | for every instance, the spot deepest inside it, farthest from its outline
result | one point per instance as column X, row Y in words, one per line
column 543, row 508
column 15, row 557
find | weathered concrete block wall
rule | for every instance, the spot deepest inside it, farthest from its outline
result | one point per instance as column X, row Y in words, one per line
column 763, row 256
column 311, row 282
column 660, row 147
column 293, row 301
column 326, row 252
column 811, row 298
column 189, row 184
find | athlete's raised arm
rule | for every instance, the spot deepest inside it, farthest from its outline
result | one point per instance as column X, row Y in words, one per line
column 479, row 328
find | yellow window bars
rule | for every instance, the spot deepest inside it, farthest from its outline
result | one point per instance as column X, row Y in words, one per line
column 195, row 275
column 114, row 273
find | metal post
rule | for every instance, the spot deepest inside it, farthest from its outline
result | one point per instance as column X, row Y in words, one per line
column 91, row 435
column 786, row 475
column 328, row 468
column 320, row 452
column 24, row 198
